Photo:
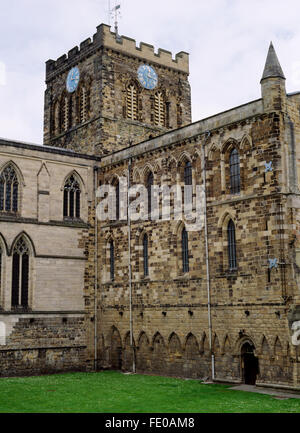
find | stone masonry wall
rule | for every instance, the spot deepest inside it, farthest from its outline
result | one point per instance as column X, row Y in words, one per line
column 170, row 316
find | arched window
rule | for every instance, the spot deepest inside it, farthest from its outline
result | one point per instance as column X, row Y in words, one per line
column 72, row 198
column 150, row 182
column 83, row 105
column 145, row 255
column 159, row 109
column 235, row 177
column 231, row 246
column 132, row 102
column 185, row 251
column 9, row 190
column 20, row 274
column 112, row 260
column 188, row 181
column 116, row 185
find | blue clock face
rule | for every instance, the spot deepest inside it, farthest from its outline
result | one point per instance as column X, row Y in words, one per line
column 147, row 77
column 73, row 80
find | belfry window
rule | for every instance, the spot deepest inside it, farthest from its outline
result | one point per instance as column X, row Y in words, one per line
column 231, row 246
column 9, row 190
column 64, row 114
column 72, row 198
column 83, row 105
column 145, row 254
column 112, row 260
column 20, row 274
column 159, row 109
column 132, row 102
column 235, row 177
column 185, row 251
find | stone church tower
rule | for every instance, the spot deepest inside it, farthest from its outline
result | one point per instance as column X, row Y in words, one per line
column 117, row 94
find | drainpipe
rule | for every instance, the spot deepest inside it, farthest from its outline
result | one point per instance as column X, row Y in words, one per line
column 96, row 271
column 130, row 271
column 207, row 135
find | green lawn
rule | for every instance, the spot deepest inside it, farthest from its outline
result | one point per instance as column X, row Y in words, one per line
column 113, row 392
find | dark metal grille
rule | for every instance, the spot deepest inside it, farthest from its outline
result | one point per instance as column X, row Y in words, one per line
column 231, row 246
column 145, row 251
column 185, row 251
column 9, row 190
column 112, row 261
column 235, row 176
column 71, row 206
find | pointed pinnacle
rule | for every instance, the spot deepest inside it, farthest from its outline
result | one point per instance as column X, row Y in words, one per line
column 272, row 67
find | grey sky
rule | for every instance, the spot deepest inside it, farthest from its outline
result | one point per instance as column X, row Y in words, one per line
column 227, row 40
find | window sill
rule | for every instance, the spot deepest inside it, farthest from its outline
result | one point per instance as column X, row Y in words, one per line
column 185, row 276
column 75, row 220
column 10, row 214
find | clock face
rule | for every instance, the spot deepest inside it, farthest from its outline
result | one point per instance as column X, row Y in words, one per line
column 147, row 77
column 73, row 79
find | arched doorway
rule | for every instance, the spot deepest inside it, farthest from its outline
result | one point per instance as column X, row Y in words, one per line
column 250, row 367
column 116, row 350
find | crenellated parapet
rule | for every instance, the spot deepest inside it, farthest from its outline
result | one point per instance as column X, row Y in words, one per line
column 104, row 38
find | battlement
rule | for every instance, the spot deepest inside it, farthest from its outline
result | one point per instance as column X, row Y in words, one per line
column 107, row 39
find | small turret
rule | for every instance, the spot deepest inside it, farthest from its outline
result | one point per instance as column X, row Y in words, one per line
column 273, row 83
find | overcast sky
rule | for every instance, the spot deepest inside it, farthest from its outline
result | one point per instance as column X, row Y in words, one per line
column 227, row 41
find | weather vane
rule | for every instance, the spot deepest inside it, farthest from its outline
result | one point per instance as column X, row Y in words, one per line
column 115, row 13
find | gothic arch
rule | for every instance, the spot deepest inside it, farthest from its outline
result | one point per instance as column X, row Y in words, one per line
column 177, row 230
column 143, row 336
column 184, row 158
column 264, row 346
column 226, row 347
column 240, row 343
column 146, row 171
column 172, row 162
column 196, row 155
column 277, row 347
column 115, row 349
column 126, row 339
column 204, row 344
column 17, row 170
column 157, row 336
column 136, row 176
column 78, row 178
column 229, row 145
column 28, row 240
column 246, row 143
column 225, row 218
column 212, row 151
column 174, row 343
column 216, row 345
column 4, row 245
column 191, row 340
